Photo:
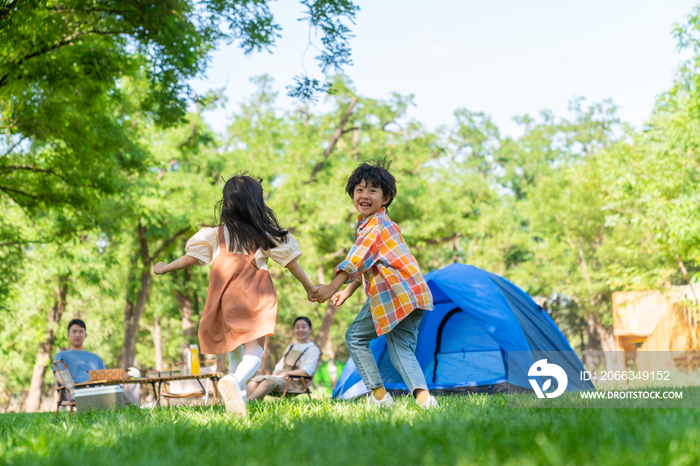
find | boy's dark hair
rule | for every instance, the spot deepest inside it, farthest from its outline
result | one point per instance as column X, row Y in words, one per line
column 76, row 322
column 251, row 224
column 375, row 173
column 305, row 319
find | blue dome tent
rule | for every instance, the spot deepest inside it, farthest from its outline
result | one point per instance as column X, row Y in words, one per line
column 464, row 344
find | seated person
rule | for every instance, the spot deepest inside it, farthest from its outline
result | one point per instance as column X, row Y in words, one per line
column 78, row 361
column 300, row 358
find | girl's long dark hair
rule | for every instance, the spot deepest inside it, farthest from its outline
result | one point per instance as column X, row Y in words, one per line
column 251, row 224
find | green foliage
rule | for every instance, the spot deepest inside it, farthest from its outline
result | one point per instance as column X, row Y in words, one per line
column 652, row 183
column 327, row 15
column 68, row 136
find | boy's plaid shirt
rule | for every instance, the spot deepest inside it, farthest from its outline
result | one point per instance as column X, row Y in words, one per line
column 393, row 280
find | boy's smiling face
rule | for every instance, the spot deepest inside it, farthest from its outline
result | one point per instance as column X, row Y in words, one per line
column 368, row 199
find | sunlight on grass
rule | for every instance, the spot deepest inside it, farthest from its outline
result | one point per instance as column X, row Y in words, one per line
column 464, row 430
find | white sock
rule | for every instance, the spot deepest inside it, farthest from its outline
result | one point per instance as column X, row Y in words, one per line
column 234, row 359
column 250, row 363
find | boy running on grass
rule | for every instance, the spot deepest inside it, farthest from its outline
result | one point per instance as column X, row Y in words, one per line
column 397, row 292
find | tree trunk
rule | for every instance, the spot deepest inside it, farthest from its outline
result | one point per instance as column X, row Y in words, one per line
column 600, row 337
column 328, row 316
column 606, row 337
column 157, row 333
column 324, row 332
column 593, row 341
column 323, row 339
column 134, row 309
column 43, row 357
column 132, row 316
column 195, row 308
column 334, row 139
column 330, row 356
column 355, row 142
column 185, row 303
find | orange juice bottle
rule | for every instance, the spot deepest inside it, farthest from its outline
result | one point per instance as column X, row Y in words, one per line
column 195, row 360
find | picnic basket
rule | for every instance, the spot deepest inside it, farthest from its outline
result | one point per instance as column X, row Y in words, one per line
column 108, row 374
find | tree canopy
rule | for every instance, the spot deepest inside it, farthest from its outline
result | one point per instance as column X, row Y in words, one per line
column 78, row 78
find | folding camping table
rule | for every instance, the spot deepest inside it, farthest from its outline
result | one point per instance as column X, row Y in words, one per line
column 157, row 382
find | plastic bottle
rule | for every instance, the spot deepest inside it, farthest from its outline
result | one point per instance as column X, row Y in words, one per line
column 187, row 357
column 194, row 365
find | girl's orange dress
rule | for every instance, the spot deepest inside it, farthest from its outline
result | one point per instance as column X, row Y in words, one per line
column 241, row 303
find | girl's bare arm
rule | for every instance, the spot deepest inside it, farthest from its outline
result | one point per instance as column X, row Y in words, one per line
column 161, row 268
column 300, row 275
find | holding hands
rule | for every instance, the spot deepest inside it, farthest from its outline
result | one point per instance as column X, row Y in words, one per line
column 311, row 293
column 326, row 292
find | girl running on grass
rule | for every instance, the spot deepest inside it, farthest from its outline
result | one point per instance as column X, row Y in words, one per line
column 241, row 307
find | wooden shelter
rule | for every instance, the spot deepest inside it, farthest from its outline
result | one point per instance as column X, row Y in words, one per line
column 656, row 320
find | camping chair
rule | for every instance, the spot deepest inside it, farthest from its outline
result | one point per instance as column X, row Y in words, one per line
column 306, row 381
column 181, row 389
column 68, row 386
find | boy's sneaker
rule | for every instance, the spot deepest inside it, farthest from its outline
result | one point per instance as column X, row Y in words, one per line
column 386, row 402
column 231, row 393
column 430, row 403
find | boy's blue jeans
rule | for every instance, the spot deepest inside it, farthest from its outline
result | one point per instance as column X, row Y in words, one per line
column 400, row 342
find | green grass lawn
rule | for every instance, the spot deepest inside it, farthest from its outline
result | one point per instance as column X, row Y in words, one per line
column 464, row 430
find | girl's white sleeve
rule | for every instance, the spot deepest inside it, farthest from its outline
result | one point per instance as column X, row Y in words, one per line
column 284, row 253
column 201, row 245
column 280, row 365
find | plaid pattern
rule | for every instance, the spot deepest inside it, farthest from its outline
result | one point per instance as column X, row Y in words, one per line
column 393, row 280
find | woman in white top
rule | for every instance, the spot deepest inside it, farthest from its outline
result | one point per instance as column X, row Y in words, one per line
column 300, row 358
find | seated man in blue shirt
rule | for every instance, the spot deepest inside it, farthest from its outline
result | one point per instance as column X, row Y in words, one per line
column 78, row 361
